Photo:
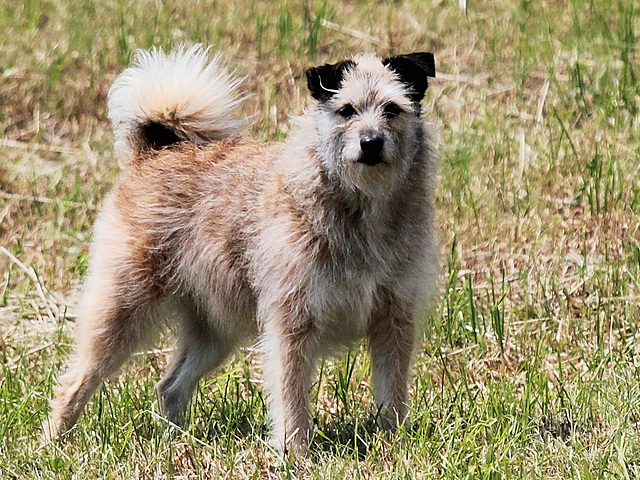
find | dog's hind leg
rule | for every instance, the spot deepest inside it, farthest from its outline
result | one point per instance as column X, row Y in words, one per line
column 109, row 334
column 200, row 350
column 118, row 307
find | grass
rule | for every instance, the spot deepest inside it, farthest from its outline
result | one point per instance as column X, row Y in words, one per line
column 530, row 364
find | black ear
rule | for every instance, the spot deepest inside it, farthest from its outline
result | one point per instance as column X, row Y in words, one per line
column 413, row 70
column 324, row 81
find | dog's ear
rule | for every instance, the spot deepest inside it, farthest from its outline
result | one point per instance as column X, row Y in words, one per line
column 412, row 70
column 324, row 81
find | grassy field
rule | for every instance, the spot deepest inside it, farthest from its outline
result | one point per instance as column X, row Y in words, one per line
column 530, row 364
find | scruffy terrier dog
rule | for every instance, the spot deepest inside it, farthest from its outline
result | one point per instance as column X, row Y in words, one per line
column 307, row 245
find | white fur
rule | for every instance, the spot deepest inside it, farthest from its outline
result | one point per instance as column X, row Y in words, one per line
column 174, row 89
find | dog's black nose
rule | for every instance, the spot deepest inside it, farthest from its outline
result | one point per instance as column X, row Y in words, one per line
column 371, row 146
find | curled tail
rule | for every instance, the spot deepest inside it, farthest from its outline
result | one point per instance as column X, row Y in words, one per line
column 166, row 98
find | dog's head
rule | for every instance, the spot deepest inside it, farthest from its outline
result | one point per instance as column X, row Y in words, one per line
column 368, row 118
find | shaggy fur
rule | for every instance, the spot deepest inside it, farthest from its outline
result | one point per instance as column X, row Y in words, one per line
column 307, row 245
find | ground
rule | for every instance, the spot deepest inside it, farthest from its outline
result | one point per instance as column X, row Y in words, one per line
column 529, row 365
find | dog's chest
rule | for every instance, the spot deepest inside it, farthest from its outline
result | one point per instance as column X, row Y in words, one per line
column 342, row 305
column 343, row 290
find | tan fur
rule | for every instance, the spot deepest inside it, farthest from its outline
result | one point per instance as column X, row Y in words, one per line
column 234, row 240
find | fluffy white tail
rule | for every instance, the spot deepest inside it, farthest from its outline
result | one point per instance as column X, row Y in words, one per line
column 165, row 98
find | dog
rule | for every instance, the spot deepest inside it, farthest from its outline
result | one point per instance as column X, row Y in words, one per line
column 307, row 245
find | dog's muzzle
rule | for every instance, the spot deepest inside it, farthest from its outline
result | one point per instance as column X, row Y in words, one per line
column 371, row 146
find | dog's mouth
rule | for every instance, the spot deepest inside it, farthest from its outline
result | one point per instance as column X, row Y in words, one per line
column 370, row 160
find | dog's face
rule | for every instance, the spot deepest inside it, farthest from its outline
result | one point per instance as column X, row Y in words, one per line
column 368, row 118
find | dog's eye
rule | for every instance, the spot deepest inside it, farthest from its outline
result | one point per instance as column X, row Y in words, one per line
column 391, row 110
column 347, row 111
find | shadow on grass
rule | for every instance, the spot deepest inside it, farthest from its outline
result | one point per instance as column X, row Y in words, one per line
column 344, row 436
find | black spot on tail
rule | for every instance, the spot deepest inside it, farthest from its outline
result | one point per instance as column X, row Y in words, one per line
column 156, row 136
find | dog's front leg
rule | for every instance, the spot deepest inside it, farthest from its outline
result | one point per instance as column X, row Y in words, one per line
column 289, row 351
column 391, row 338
